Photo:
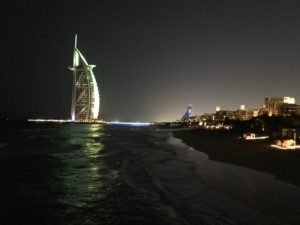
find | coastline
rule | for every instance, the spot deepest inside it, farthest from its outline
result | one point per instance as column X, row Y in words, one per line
column 225, row 147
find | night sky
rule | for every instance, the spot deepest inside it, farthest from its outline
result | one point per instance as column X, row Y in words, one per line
column 153, row 57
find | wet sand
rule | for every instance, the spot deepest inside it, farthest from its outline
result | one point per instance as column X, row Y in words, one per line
column 188, row 188
column 255, row 154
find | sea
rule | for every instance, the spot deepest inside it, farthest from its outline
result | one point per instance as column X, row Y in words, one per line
column 89, row 174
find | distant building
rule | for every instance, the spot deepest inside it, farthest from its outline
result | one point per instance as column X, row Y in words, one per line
column 85, row 93
column 284, row 106
column 290, row 109
column 223, row 114
column 290, row 133
column 273, row 106
column 254, row 112
column 280, row 106
column 240, row 114
column 188, row 114
column 288, row 100
column 243, row 114
column 207, row 117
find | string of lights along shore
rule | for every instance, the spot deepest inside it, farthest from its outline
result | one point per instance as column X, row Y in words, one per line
column 85, row 92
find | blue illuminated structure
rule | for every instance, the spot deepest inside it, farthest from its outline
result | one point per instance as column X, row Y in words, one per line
column 136, row 124
column 188, row 113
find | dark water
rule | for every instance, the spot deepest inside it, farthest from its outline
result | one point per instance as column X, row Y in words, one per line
column 94, row 174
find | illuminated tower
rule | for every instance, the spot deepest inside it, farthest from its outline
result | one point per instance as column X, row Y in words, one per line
column 188, row 113
column 85, row 93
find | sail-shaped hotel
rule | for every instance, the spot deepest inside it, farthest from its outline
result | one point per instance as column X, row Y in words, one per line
column 85, row 93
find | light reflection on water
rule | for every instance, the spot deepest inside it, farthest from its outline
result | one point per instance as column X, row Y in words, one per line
column 84, row 175
column 91, row 174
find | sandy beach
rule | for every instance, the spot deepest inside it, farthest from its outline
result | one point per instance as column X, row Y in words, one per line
column 227, row 147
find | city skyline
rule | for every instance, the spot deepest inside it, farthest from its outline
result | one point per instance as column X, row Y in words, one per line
column 153, row 58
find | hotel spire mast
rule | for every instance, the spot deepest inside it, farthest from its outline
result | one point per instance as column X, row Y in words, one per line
column 74, row 81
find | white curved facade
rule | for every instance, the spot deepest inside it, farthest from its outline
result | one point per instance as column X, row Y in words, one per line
column 85, row 93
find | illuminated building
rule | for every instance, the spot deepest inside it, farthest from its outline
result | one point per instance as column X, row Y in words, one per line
column 223, row 114
column 254, row 112
column 207, row 117
column 273, row 106
column 85, row 93
column 240, row 114
column 288, row 100
column 280, row 106
column 284, row 106
column 188, row 113
column 291, row 110
column 243, row 114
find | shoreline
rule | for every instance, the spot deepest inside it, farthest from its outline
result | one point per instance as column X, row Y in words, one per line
column 258, row 155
